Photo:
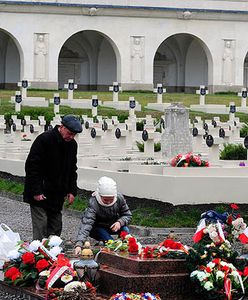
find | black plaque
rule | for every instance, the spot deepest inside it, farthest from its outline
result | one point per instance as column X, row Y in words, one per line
column 23, row 122
column 132, row 104
column 71, row 86
column 162, row 123
column 203, row 91
column 116, row 88
column 160, row 90
column 214, row 123
column 145, row 135
column 195, row 131
column 18, row 98
column 87, row 125
column 14, row 127
column 222, row 133
column 209, row 140
column 244, row 94
column 205, row 126
column 24, row 84
column 31, row 128
column 93, row 133
column 104, row 126
column 232, row 109
column 56, row 100
column 94, row 102
column 246, row 142
column 117, row 133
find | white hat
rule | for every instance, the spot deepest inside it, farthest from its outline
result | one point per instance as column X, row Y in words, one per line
column 107, row 187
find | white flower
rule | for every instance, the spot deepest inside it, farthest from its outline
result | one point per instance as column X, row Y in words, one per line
column 34, row 245
column 223, row 263
column 45, row 273
column 211, row 265
column 54, row 241
column 55, row 250
column 220, row 274
column 74, row 284
column 201, row 276
column 208, row 286
column 13, row 254
column 236, row 276
column 194, row 273
column 66, row 278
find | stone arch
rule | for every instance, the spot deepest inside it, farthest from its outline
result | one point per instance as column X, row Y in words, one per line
column 11, row 60
column 91, row 58
column 182, row 62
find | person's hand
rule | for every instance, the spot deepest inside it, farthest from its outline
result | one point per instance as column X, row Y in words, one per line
column 39, row 197
column 70, row 198
column 77, row 250
column 116, row 226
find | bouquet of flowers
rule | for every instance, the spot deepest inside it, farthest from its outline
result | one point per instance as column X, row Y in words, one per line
column 219, row 279
column 28, row 260
column 132, row 296
column 125, row 243
column 168, row 248
column 188, row 160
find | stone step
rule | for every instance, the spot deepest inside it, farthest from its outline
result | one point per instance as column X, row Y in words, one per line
column 139, row 266
column 168, row 286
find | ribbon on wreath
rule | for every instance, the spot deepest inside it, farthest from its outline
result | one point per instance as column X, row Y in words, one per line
column 228, row 288
column 56, row 274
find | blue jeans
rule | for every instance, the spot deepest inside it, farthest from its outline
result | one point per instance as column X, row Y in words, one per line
column 104, row 234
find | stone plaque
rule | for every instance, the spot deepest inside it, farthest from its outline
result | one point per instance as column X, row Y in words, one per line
column 87, row 125
column 71, row 86
column 195, row 131
column 145, row 135
column 116, row 88
column 246, row 142
column 93, row 133
column 232, row 109
column 56, row 100
column 18, row 98
column 222, row 133
column 132, row 104
column 160, row 90
column 117, row 133
column 94, row 102
column 24, row 84
column 209, row 140
column 244, row 94
column 203, row 91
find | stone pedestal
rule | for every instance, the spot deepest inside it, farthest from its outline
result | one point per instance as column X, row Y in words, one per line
column 167, row 277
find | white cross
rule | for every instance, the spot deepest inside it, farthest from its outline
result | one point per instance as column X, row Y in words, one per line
column 71, row 86
column 94, row 108
column 115, row 88
column 232, row 111
column 56, row 106
column 24, row 84
column 243, row 94
column 18, row 97
column 159, row 91
column 131, row 110
column 202, row 92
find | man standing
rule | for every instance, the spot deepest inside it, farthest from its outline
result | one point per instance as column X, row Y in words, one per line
column 51, row 176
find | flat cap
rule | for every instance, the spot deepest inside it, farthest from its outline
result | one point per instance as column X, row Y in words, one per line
column 72, row 123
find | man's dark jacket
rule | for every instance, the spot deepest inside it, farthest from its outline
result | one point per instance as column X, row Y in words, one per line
column 51, row 170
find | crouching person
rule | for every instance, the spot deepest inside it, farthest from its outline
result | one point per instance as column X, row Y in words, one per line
column 106, row 214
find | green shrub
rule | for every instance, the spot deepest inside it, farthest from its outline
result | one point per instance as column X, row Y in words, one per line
column 140, row 145
column 244, row 131
column 233, row 152
column 140, row 126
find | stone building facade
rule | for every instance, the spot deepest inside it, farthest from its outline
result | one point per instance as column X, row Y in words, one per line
column 139, row 43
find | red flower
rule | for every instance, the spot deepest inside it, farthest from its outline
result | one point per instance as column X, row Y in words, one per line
column 216, row 261
column 225, row 269
column 62, row 261
column 245, row 272
column 206, row 164
column 229, row 220
column 234, row 206
column 12, row 273
column 28, row 258
column 123, row 234
column 208, row 269
column 89, row 285
column 42, row 264
column 131, row 240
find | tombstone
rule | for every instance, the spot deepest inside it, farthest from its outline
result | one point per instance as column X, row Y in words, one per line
column 96, row 134
column 16, row 130
column 132, row 105
column 232, row 110
column 18, row 100
column 115, row 88
column 197, row 140
column 94, row 100
column 159, row 90
column 202, row 92
column 176, row 137
column 148, row 138
column 243, row 95
column 42, row 122
column 214, row 148
column 121, row 136
column 56, row 102
column 70, row 86
column 24, row 84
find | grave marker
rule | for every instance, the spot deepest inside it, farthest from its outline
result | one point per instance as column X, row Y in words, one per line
column 70, row 86
column 159, row 90
column 24, row 84
column 115, row 88
column 56, row 102
column 202, row 92
column 18, row 100
column 132, row 105
column 243, row 95
column 94, row 100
